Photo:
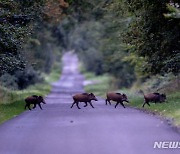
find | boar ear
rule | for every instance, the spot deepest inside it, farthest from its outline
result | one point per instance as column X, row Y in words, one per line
column 91, row 94
column 40, row 97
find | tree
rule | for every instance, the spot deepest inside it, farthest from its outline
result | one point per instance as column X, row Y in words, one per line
column 153, row 36
column 27, row 41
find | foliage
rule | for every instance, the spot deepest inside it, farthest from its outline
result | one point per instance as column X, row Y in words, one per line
column 130, row 39
column 15, row 22
column 11, row 83
column 100, row 84
column 53, row 10
column 174, row 11
column 113, row 48
column 97, row 39
column 9, row 63
column 28, row 46
column 154, row 36
column 84, row 40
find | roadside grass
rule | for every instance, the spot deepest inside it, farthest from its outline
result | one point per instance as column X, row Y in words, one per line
column 102, row 84
column 12, row 101
column 169, row 109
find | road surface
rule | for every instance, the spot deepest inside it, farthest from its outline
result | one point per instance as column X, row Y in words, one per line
column 58, row 129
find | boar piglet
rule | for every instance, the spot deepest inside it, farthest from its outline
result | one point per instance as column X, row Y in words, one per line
column 117, row 97
column 34, row 100
column 153, row 97
column 84, row 97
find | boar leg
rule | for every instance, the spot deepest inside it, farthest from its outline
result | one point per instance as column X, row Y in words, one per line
column 85, row 104
column 91, row 104
column 143, row 104
column 108, row 101
column 29, row 106
column 40, row 106
column 122, row 104
column 73, row 104
column 34, row 106
column 77, row 104
column 116, row 104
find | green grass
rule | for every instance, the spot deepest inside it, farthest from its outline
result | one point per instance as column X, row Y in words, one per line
column 7, row 111
column 103, row 84
column 12, row 102
column 169, row 109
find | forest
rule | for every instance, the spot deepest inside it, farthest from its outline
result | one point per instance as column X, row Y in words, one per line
column 131, row 40
column 137, row 42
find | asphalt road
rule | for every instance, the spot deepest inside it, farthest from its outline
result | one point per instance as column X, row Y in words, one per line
column 58, row 129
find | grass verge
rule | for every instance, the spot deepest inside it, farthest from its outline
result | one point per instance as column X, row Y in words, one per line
column 12, row 102
column 169, row 109
column 102, row 84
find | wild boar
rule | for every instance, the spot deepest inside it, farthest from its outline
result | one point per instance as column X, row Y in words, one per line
column 34, row 100
column 153, row 97
column 84, row 97
column 117, row 97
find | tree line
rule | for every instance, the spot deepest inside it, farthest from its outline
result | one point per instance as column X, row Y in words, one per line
column 29, row 46
column 130, row 39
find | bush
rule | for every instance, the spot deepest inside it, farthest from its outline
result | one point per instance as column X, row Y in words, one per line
column 9, row 81
column 27, row 77
column 20, row 79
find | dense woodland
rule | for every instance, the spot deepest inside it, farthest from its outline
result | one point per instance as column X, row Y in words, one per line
column 129, row 39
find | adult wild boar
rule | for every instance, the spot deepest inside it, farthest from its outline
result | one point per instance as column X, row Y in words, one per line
column 34, row 100
column 84, row 97
column 153, row 97
column 117, row 97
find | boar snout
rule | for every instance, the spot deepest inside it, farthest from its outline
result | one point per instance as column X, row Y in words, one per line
column 95, row 99
column 162, row 98
column 92, row 97
column 41, row 99
column 125, row 98
column 43, row 102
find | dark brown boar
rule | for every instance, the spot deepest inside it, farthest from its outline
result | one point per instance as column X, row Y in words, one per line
column 153, row 97
column 117, row 97
column 34, row 100
column 84, row 97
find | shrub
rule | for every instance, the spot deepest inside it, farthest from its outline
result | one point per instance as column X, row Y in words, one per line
column 9, row 81
column 27, row 77
column 20, row 79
